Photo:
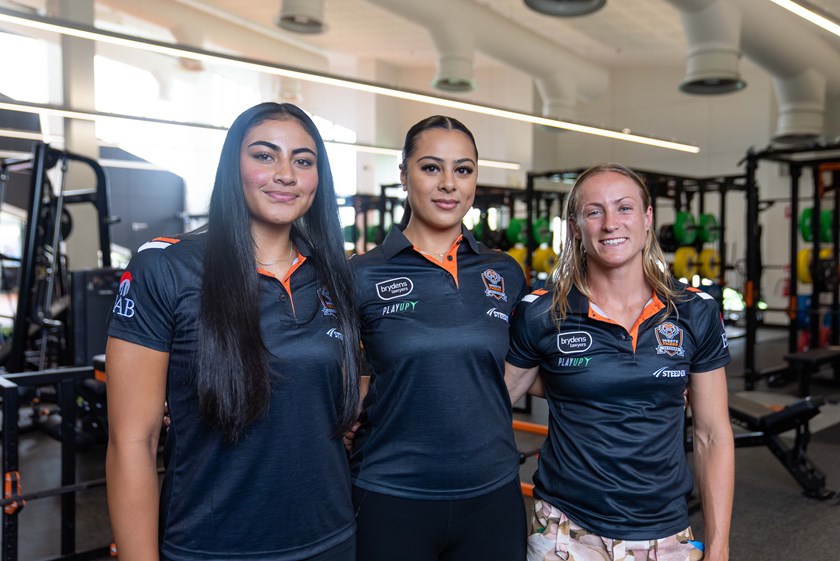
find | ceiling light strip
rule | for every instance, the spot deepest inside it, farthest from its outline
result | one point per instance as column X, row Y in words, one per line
column 93, row 34
column 807, row 13
column 89, row 116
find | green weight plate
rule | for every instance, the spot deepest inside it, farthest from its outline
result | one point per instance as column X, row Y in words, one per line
column 371, row 233
column 542, row 231
column 826, row 223
column 515, row 231
column 805, row 229
column 685, row 230
column 351, row 234
column 478, row 231
column 709, row 228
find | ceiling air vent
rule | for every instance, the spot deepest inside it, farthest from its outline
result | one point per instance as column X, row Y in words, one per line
column 565, row 8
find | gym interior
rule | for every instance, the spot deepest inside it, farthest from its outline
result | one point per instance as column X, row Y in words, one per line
column 112, row 115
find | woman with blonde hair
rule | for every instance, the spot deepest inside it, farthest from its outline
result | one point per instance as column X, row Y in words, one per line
column 617, row 342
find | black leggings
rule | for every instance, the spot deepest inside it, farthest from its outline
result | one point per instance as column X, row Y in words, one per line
column 491, row 527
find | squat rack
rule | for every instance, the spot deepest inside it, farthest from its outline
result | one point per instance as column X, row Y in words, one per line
column 44, row 158
column 795, row 158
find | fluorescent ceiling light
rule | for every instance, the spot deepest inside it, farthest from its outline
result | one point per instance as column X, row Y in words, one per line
column 94, row 34
column 92, row 116
column 809, row 14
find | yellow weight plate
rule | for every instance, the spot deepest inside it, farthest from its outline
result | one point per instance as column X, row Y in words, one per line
column 685, row 262
column 803, row 266
column 710, row 263
column 518, row 252
column 543, row 259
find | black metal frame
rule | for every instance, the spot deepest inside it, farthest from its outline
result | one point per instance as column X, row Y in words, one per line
column 796, row 159
column 65, row 379
column 44, row 158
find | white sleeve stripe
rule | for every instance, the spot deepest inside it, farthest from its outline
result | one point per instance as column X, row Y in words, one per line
column 530, row 297
column 154, row 245
column 704, row 295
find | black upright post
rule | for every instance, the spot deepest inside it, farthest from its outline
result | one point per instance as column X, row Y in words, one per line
column 750, row 284
column 530, row 244
column 817, row 277
column 20, row 329
column 66, row 399
column 793, row 287
column 10, row 464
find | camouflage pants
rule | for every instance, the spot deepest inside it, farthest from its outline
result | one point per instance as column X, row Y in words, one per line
column 556, row 538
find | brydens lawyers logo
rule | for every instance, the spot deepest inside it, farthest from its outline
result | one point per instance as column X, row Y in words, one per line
column 573, row 342
column 124, row 306
column 670, row 339
column 494, row 285
column 394, row 288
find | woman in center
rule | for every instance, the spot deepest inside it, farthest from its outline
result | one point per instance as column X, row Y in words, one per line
column 434, row 463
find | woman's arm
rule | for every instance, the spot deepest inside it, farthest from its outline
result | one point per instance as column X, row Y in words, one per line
column 714, row 456
column 520, row 381
column 136, row 394
column 350, row 435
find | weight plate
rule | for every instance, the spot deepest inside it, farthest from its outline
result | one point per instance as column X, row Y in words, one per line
column 351, row 234
column 803, row 265
column 709, row 228
column 667, row 240
column 710, row 263
column 518, row 253
column 805, row 229
column 685, row 262
column 685, row 229
column 515, row 231
column 542, row 231
column 544, row 259
column 826, row 223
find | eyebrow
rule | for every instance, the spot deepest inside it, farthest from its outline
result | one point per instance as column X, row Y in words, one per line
column 276, row 148
column 441, row 160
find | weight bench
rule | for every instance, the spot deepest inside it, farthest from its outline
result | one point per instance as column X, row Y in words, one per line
column 806, row 363
column 767, row 424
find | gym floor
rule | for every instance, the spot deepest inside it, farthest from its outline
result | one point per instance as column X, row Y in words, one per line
column 771, row 519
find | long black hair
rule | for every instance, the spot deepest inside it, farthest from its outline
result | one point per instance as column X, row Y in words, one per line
column 410, row 144
column 232, row 378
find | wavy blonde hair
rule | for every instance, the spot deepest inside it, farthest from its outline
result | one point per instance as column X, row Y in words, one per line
column 571, row 267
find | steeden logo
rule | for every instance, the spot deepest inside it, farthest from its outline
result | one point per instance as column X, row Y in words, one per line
column 394, row 288
column 573, row 342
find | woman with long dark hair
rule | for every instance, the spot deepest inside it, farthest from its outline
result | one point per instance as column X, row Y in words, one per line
column 247, row 328
column 613, row 344
column 435, row 466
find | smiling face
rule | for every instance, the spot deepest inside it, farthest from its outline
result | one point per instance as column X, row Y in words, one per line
column 440, row 176
column 279, row 174
column 612, row 221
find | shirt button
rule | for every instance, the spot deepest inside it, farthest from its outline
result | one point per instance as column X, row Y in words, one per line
column 623, row 337
column 283, row 297
column 449, row 258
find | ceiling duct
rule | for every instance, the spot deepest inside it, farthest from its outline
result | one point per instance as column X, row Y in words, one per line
column 561, row 78
column 804, row 67
column 713, row 33
column 302, row 16
column 565, row 8
column 456, row 51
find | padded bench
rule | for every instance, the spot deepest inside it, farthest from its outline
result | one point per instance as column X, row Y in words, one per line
column 806, row 363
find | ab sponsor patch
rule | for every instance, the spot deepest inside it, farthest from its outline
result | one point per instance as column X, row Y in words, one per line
column 124, row 306
column 573, row 342
column 394, row 288
column 494, row 285
column 670, row 339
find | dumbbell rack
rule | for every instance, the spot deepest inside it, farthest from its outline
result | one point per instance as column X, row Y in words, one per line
column 825, row 280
